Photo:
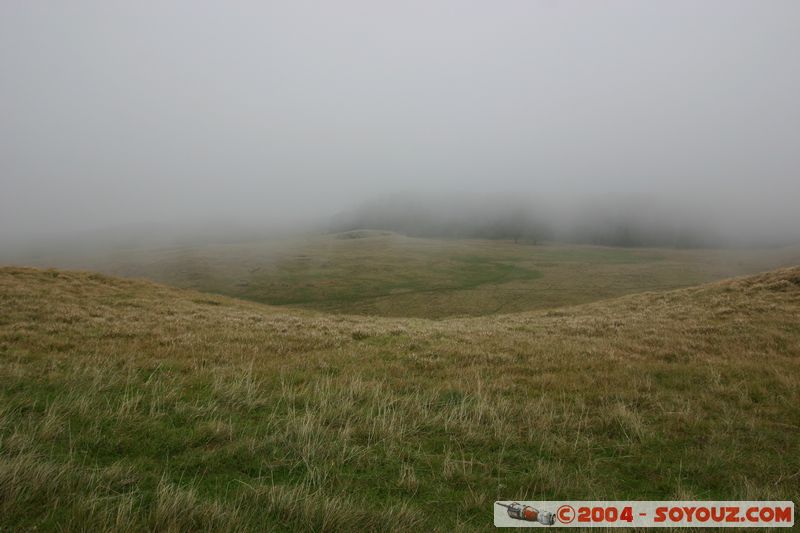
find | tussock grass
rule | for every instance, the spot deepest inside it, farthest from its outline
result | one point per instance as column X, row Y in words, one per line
column 129, row 405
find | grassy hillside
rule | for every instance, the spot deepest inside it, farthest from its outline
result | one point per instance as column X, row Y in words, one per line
column 125, row 404
column 385, row 274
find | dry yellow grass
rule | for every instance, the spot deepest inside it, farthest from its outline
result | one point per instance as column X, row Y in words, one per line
column 125, row 404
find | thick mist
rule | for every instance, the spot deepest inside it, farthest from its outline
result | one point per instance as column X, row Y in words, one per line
column 209, row 118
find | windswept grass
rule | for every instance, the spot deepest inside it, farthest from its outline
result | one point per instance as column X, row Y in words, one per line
column 130, row 405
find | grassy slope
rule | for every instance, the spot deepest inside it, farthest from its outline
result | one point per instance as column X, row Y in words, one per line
column 386, row 274
column 125, row 404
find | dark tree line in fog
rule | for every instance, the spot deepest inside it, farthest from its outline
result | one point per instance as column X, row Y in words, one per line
column 524, row 224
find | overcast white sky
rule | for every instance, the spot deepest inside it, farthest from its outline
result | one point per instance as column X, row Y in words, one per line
column 121, row 112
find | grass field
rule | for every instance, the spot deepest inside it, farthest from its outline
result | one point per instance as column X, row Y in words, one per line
column 130, row 405
column 386, row 274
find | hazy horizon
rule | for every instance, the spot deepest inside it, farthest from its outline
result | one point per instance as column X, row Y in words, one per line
column 283, row 114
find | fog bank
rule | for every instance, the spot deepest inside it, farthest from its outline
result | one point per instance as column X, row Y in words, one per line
column 275, row 116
